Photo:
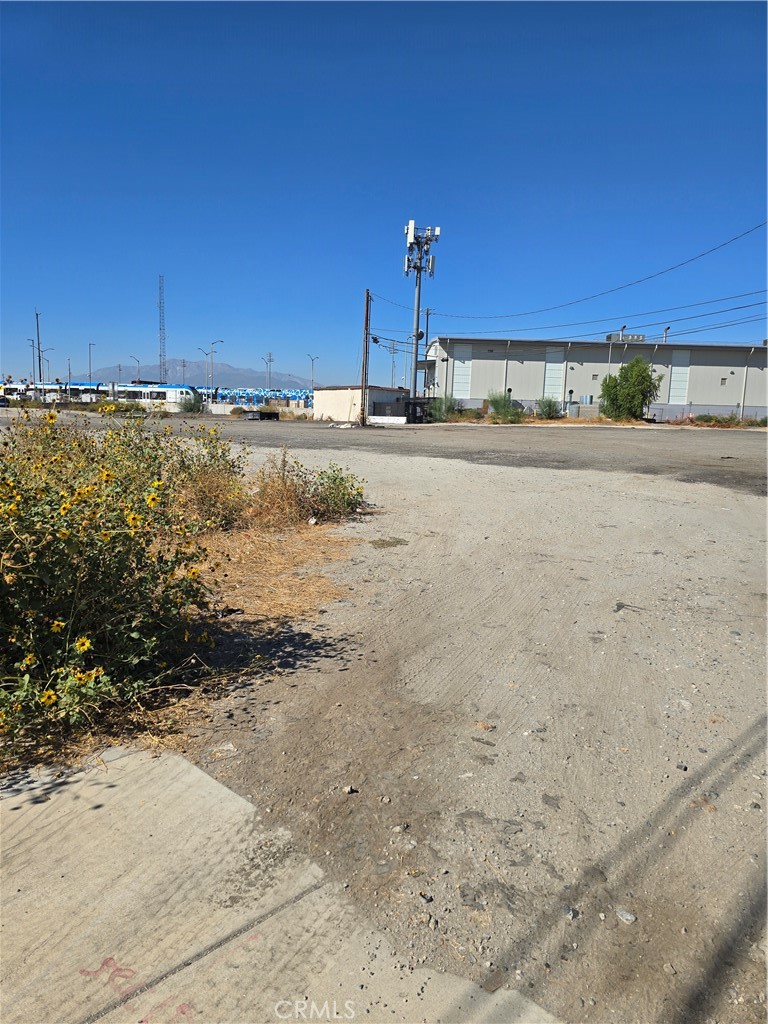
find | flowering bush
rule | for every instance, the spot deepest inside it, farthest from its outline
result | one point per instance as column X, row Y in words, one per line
column 101, row 557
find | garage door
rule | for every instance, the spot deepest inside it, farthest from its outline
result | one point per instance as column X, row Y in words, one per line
column 462, row 371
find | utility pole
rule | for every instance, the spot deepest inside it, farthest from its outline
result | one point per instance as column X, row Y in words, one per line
column 183, row 369
column 366, row 340
column 39, row 354
column 34, row 357
column 426, row 343
column 119, row 372
column 268, row 363
column 418, row 259
column 392, row 349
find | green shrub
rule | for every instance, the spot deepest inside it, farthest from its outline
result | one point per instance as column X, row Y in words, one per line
column 441, row 409
column 101, row 584
column 192, row 404
column 731, row 420
column 626, row 396
column 287, row 492
column 503, row 408
column 548, row 409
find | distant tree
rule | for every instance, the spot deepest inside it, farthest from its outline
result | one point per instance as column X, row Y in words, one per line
column 628, row 394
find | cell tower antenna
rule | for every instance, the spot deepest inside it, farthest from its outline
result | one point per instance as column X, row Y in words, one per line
column 161, row 333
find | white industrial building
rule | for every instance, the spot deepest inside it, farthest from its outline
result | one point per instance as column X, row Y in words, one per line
column 341, row 404
column 697, row 377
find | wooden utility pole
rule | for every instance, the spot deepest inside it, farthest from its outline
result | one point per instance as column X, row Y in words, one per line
column 366, row 340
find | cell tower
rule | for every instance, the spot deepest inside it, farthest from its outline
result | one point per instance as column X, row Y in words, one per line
column 161, row 308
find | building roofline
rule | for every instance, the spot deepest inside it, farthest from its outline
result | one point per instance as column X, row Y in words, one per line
column 356, row 387
column 469, row 340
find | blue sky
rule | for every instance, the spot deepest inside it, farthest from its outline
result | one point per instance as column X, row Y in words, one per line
column 265, row 158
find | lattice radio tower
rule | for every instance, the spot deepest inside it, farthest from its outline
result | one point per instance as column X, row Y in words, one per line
column 161, row 333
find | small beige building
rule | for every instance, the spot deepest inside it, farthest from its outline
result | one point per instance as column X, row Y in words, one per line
column 697, row 377
column 341, row 403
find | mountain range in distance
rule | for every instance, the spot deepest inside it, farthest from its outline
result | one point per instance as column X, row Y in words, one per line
column 195, row 372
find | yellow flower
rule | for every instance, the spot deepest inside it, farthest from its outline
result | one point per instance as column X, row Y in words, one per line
column 152, row 500
column 82, row 644
column 63, row 534
column 106, row 537
column 50, row 417
column 157, row 484
column 65, row 508
column 193, row 573
column 48, row 697
column 132, row 518
column 57, row 625
column 107, row 409
column 28, row 661
column 107, row 474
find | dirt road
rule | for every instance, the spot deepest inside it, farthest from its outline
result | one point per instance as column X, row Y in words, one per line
column 546, row 690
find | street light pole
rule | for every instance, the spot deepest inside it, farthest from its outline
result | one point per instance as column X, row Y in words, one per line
column 219, row 342
column 34, row 357
column 91, row 345
column 206, row 354
column 312, row 371
column 48, row 363
column 138, row 368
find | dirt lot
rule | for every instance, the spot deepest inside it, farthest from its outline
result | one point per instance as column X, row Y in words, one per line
column 546, row 688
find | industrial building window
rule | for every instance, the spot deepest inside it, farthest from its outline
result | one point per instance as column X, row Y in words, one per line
column 594, row 376
column 723, row 381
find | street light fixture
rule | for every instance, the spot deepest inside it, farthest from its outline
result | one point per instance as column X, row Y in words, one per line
column 312, row 371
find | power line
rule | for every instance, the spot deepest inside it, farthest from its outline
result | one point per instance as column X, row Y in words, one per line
column 699, row 329
column 655, row 323
column 623, row 316
column 618, row 288
column 596, row 295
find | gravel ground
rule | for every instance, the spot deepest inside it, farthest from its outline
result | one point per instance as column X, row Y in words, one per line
column 546, row 690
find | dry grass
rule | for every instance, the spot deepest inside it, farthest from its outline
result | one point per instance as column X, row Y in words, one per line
column 265, row 573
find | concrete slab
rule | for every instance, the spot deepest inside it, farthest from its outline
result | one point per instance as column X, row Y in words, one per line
column 139, row 889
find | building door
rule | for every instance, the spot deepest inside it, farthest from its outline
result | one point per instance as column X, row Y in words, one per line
column 553, row 372
column 678, row 376
column 462, row 371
